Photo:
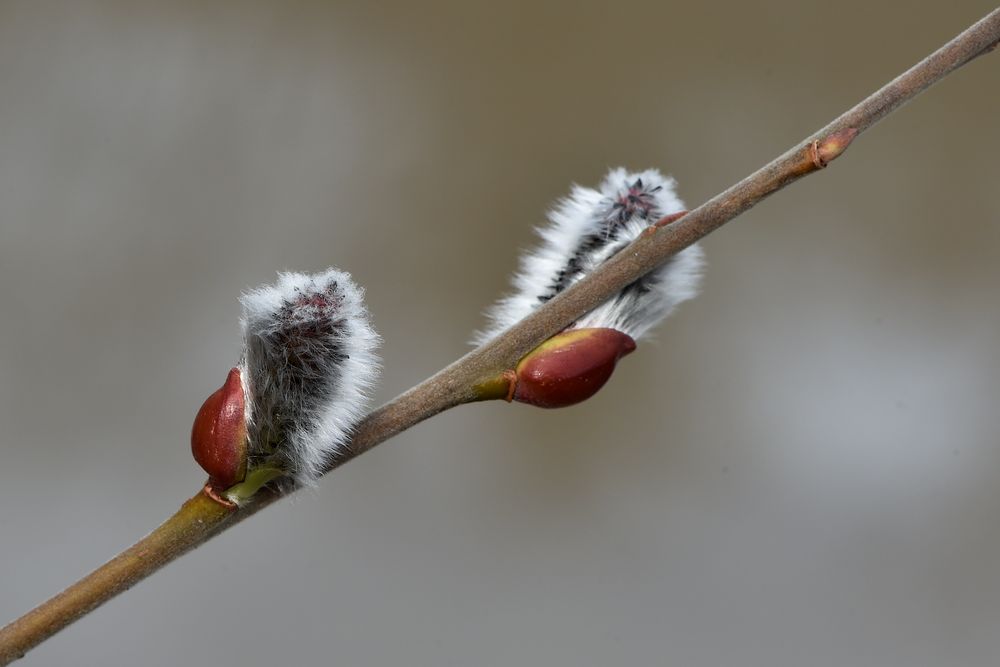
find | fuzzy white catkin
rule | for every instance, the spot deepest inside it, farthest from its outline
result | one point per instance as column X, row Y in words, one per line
column 584, row 230
column 309, row 361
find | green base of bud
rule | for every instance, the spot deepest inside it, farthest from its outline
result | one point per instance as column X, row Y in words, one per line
column 254, row 482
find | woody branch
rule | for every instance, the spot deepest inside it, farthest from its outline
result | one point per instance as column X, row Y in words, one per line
column 200, row 518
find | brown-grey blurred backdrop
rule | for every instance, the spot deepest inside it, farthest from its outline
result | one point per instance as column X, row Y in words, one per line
column 803, row 469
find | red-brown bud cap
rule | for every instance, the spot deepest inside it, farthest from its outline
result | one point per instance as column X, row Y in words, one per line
column 570, row 367
column 219, row 435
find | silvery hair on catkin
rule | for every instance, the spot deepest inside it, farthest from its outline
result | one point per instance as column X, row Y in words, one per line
column 309, row 360
column 584, row 230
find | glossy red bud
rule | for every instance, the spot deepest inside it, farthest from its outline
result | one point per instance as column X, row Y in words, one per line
column 219, row 435
column 570, row 367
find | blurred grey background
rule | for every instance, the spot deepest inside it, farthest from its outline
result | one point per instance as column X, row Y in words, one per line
column 803, row 469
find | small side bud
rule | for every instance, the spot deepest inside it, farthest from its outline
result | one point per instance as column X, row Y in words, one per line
column 570, row 367
column 219, row 434
column 823, row 152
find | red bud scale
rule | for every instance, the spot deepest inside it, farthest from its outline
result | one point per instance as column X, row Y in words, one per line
column 569, row 367
column 219, row 435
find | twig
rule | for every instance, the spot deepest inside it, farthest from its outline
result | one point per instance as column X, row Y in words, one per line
column 200, row 518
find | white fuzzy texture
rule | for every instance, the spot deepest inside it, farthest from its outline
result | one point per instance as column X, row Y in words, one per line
column 584, row 230
column 309, row 360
